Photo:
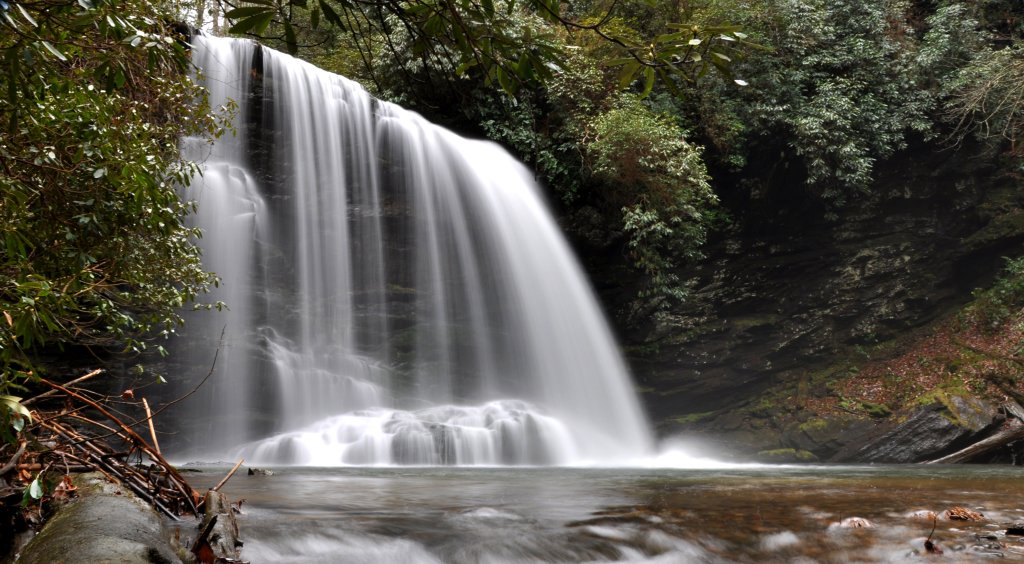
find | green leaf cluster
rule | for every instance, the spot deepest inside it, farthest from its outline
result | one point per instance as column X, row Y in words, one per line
column 487, row 38
column 94, row 245
column 645, row 164
column 848, row 84
column 994, row 306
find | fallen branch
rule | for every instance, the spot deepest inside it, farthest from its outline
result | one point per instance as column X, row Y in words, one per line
column 1009, row 433
column 152, row 430
column 14, row 460
column 111, row 472
column 136, row 440
column 228, row 477
column 50, row 393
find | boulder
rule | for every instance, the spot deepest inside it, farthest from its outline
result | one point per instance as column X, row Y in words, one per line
column 928, row 433
column 107, row 523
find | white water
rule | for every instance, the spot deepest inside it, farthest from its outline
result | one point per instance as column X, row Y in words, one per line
column 398, row 294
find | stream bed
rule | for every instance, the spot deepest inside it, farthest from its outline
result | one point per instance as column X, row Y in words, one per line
column 732, row 514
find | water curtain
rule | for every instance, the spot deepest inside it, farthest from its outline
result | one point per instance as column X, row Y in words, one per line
column 398, row 294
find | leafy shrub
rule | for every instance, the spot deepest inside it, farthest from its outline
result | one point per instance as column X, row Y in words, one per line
column 994, row 306
column 838, row 92
column 94, row 248
column 662, row 186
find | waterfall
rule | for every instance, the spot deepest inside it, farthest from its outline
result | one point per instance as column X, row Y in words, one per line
column 397, row 294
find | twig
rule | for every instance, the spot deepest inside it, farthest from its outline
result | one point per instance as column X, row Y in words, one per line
column 929, row 546
column 213, row 366
column 14, row 461
column 88, row 463
column 228, row 477
column 152, row 430
column 191, row 494
column 112, row 473
column 92, row 374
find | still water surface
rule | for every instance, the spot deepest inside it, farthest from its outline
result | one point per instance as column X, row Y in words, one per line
column 734, row 514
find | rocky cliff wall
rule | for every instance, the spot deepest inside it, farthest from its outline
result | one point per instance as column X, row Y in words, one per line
column 791, row 286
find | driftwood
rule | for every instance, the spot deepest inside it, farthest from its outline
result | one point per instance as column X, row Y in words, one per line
column 1012, row 431
column 221, row 483
column 218, row 540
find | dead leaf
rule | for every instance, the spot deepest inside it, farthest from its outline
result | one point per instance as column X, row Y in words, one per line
column 959, row 513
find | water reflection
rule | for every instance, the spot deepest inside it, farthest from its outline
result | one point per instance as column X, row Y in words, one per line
column 493, row 515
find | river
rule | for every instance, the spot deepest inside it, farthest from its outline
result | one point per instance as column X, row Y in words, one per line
column 731, row 514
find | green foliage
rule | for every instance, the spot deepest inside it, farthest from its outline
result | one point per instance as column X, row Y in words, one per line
column 486, row 38
column 951, row 42
column 853, row 98
column 994, row 306
column 841, row 89
column 647, row 167
column 94, row 249
column 985, row 99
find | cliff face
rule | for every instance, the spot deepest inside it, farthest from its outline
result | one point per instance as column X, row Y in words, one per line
column 789, row 288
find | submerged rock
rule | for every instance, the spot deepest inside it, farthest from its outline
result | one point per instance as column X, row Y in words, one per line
column 923, row 514
column 852, row 523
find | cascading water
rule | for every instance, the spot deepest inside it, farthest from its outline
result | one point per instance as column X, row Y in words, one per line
column 397, row 294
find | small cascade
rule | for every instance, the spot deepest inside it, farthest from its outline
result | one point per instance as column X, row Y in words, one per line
column 499, row 433
column 397, row 294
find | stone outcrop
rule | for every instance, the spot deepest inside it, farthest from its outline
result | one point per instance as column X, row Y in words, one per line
column 792, row 287
column 927, row 433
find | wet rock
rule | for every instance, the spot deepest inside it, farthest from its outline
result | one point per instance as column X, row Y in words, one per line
column 787, row 292
column 1016, row 529
column 260, row 472
column 922, row 515
column 823, row 437
column 106, row 524
column 852, row 523
column 931, row 431
column 783, row 455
